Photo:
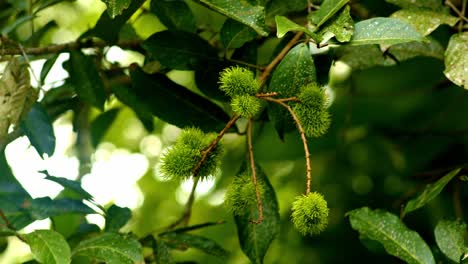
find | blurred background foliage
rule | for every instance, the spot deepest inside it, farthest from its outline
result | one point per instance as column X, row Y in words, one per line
column 394, row 129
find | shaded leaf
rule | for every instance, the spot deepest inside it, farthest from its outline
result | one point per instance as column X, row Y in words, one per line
column 449, row 236
column 255, row 239
column 193, row 227
column 341, row 26
column 184, row 240
column 242, row 11
column 101, row 124
column 48, row 64
column 423, row 20
column 175, row 15
column 74, row 186
column 85, row 78
column 111, row 248
column 388, row 230
column 284, row 25
column 48, row 246
column 430, row 192
column 180, row 50
column 406, row 51
column 327, row 9
column 37, row 126
column 17, row 22
column 296, row 70
column 160, row 95
column 44, row 207
column 456, row 61
column 384, row 30
column 34, row 39
column 234, row 34
column 281, row 7
column 431, row 4
column 116, row 7
column 162, row 253
column 207, row 80
column 117, row 217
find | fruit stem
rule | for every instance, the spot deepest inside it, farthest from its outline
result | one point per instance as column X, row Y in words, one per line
column 254, row 174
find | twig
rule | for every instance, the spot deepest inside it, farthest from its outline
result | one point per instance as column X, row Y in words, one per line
column 269, row 94
column 7, row 223
column 460, row 24
column 185, row 217
column 247, row 64
column 254, row 174
column 269, row 68
column 455, row 9
column 213, row 144
column 303, row 137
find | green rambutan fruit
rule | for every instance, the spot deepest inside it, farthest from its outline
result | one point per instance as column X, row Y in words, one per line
column 315, row 121
column 246, row 105
column 238, row 81
column 241, row 195
column 310, row 214
column 313, row 96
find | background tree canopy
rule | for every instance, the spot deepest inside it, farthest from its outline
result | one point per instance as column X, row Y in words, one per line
column 233, row 131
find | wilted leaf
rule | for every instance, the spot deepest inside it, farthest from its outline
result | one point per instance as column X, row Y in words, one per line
column 284, row 25
column 116, row 7
column 327, row 9
column 175, row 15
column 456, row 61
column 37, row 126
column 430, row 192
column 180, row 50
column 117, row 217
column 423, row 20
column 111, row 248
column 48, row 246
column 341, row 26
column 234, row 34
column 396, row 238
column 449, row 236
column 384, row 30
column 184, row 240
column 242, row 11
column 255, row 239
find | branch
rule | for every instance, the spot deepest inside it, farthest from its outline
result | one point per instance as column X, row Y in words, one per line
column 269, row 68
column 254, row 174
column 458, row 12
column 303, row 137
column 185, row 217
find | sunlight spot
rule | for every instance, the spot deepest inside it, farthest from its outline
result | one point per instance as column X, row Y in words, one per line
column 204, row 188
column 37, row 225
column 151, row 146
column 217, row 198
column 96, row 219
column 170, row 133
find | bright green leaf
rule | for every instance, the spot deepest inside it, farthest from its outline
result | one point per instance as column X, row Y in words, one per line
column 255, row 239
column 117, row 217
column 284, row 25
column 38, row 128
column 341, row 26
column 184, row 240
column 449, row 236
column 327, row 9
column 116, row 7
column 175, row 15
column 84, row 76
column 48, row 246
column 456, row 61
column 431, row 4
column 234, row 34
column 384, row 30
column 396, row 238
column 429, row 193
column 180, row 50
column 296, row 70
column 242, row 11
column 423, row 20
column 111, row 248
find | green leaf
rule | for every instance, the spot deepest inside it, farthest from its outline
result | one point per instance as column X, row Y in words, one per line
column 396, row 238
column 184, row 240
column 406, row 51
column 116, row 7
column 48, row 64
column 38, row 128
column 431, row 4
column 84, row 76
column 74, row 186
column 430, row 192
column 193, row 227
column 341, row 26
column 327, row 9
column 117, row 217
column 281, row 7
column 449, row 236
column 296, row 70
column 48, row 246
column 284, row 25
column 207, row 79
column 384, row 30
column 423, row 20
column 180, row 50
column 44, row 207
column 108, row 28
column 161, row 252
column 234, row 34
column 160, row 95
column 456, row 60
column 101, row 124
column 111, row 248
column 175, row 15
column 255, row 239
column 242, row 11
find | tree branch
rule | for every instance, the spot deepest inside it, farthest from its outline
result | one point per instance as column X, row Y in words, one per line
column 254, row 174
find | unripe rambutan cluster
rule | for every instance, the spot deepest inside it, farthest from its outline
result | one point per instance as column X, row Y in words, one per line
column 310, row 214
column 240, row 84
column 240, row 195
column 180, row 160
